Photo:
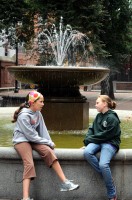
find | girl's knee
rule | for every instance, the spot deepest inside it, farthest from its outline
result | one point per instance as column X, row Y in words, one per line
column 88, row 150
column 86, row 153
column 49, row 153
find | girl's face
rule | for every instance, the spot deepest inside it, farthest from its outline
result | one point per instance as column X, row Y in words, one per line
column 37, row 105
column 101, row 106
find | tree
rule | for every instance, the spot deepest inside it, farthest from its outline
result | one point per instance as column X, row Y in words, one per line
column 116, row 36
column 14, row 11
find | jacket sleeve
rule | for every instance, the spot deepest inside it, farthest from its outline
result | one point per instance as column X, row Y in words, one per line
column 30, row 133
column 89, row 133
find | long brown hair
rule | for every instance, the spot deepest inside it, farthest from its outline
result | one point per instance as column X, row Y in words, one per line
column 23, row 105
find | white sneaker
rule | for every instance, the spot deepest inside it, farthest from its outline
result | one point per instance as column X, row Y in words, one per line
column 68, row 186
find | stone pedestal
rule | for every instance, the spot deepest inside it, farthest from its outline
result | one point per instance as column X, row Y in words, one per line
column 66, row 114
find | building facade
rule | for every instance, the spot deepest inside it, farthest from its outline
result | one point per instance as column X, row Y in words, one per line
column 7, row 58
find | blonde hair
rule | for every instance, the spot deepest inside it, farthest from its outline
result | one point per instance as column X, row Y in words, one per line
column 111, row 104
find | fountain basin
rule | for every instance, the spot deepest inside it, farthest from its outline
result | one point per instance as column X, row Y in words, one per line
column 59, row 76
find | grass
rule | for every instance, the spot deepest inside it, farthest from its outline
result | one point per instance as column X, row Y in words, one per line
column 65, row 139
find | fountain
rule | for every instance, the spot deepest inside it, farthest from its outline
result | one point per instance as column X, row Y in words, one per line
column 65, row 107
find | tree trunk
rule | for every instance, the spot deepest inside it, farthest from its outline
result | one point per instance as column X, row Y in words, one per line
column 107, row 87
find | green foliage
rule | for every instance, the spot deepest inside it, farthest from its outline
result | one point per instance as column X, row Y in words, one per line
column 116, row 35
column 107, row 23
column 14, row 11
column 86, row 17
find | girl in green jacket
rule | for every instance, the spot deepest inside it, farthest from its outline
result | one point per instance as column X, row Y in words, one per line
column 104, row 136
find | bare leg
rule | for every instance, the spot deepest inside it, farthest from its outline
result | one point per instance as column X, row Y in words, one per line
column 66, row 185
column 57, row 168
column 26, row 186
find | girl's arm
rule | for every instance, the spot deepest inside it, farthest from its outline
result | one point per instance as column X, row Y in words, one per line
column 89, row 133
column 30, row 133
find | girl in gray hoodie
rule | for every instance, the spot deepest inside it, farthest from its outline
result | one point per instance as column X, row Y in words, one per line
column 30, row 133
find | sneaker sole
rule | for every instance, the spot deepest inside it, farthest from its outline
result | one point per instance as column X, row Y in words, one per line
column 75, row 188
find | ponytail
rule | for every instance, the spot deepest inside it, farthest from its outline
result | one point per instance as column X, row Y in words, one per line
column 23, row 105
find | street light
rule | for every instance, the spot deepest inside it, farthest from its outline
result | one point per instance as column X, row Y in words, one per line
column 19, row 24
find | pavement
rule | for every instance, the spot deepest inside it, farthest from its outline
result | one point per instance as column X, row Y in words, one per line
column 123, row 100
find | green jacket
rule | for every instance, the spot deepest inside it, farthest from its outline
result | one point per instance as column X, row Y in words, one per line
column 105, row 129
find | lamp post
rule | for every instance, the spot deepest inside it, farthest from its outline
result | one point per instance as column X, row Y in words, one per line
column 16, row 90
column 19, row 24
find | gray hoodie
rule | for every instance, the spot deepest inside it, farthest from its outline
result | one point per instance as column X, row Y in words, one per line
column 30, row 127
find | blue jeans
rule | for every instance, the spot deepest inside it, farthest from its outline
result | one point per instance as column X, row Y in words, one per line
column 107, row 151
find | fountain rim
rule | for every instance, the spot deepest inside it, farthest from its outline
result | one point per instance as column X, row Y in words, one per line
column 59, row 68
